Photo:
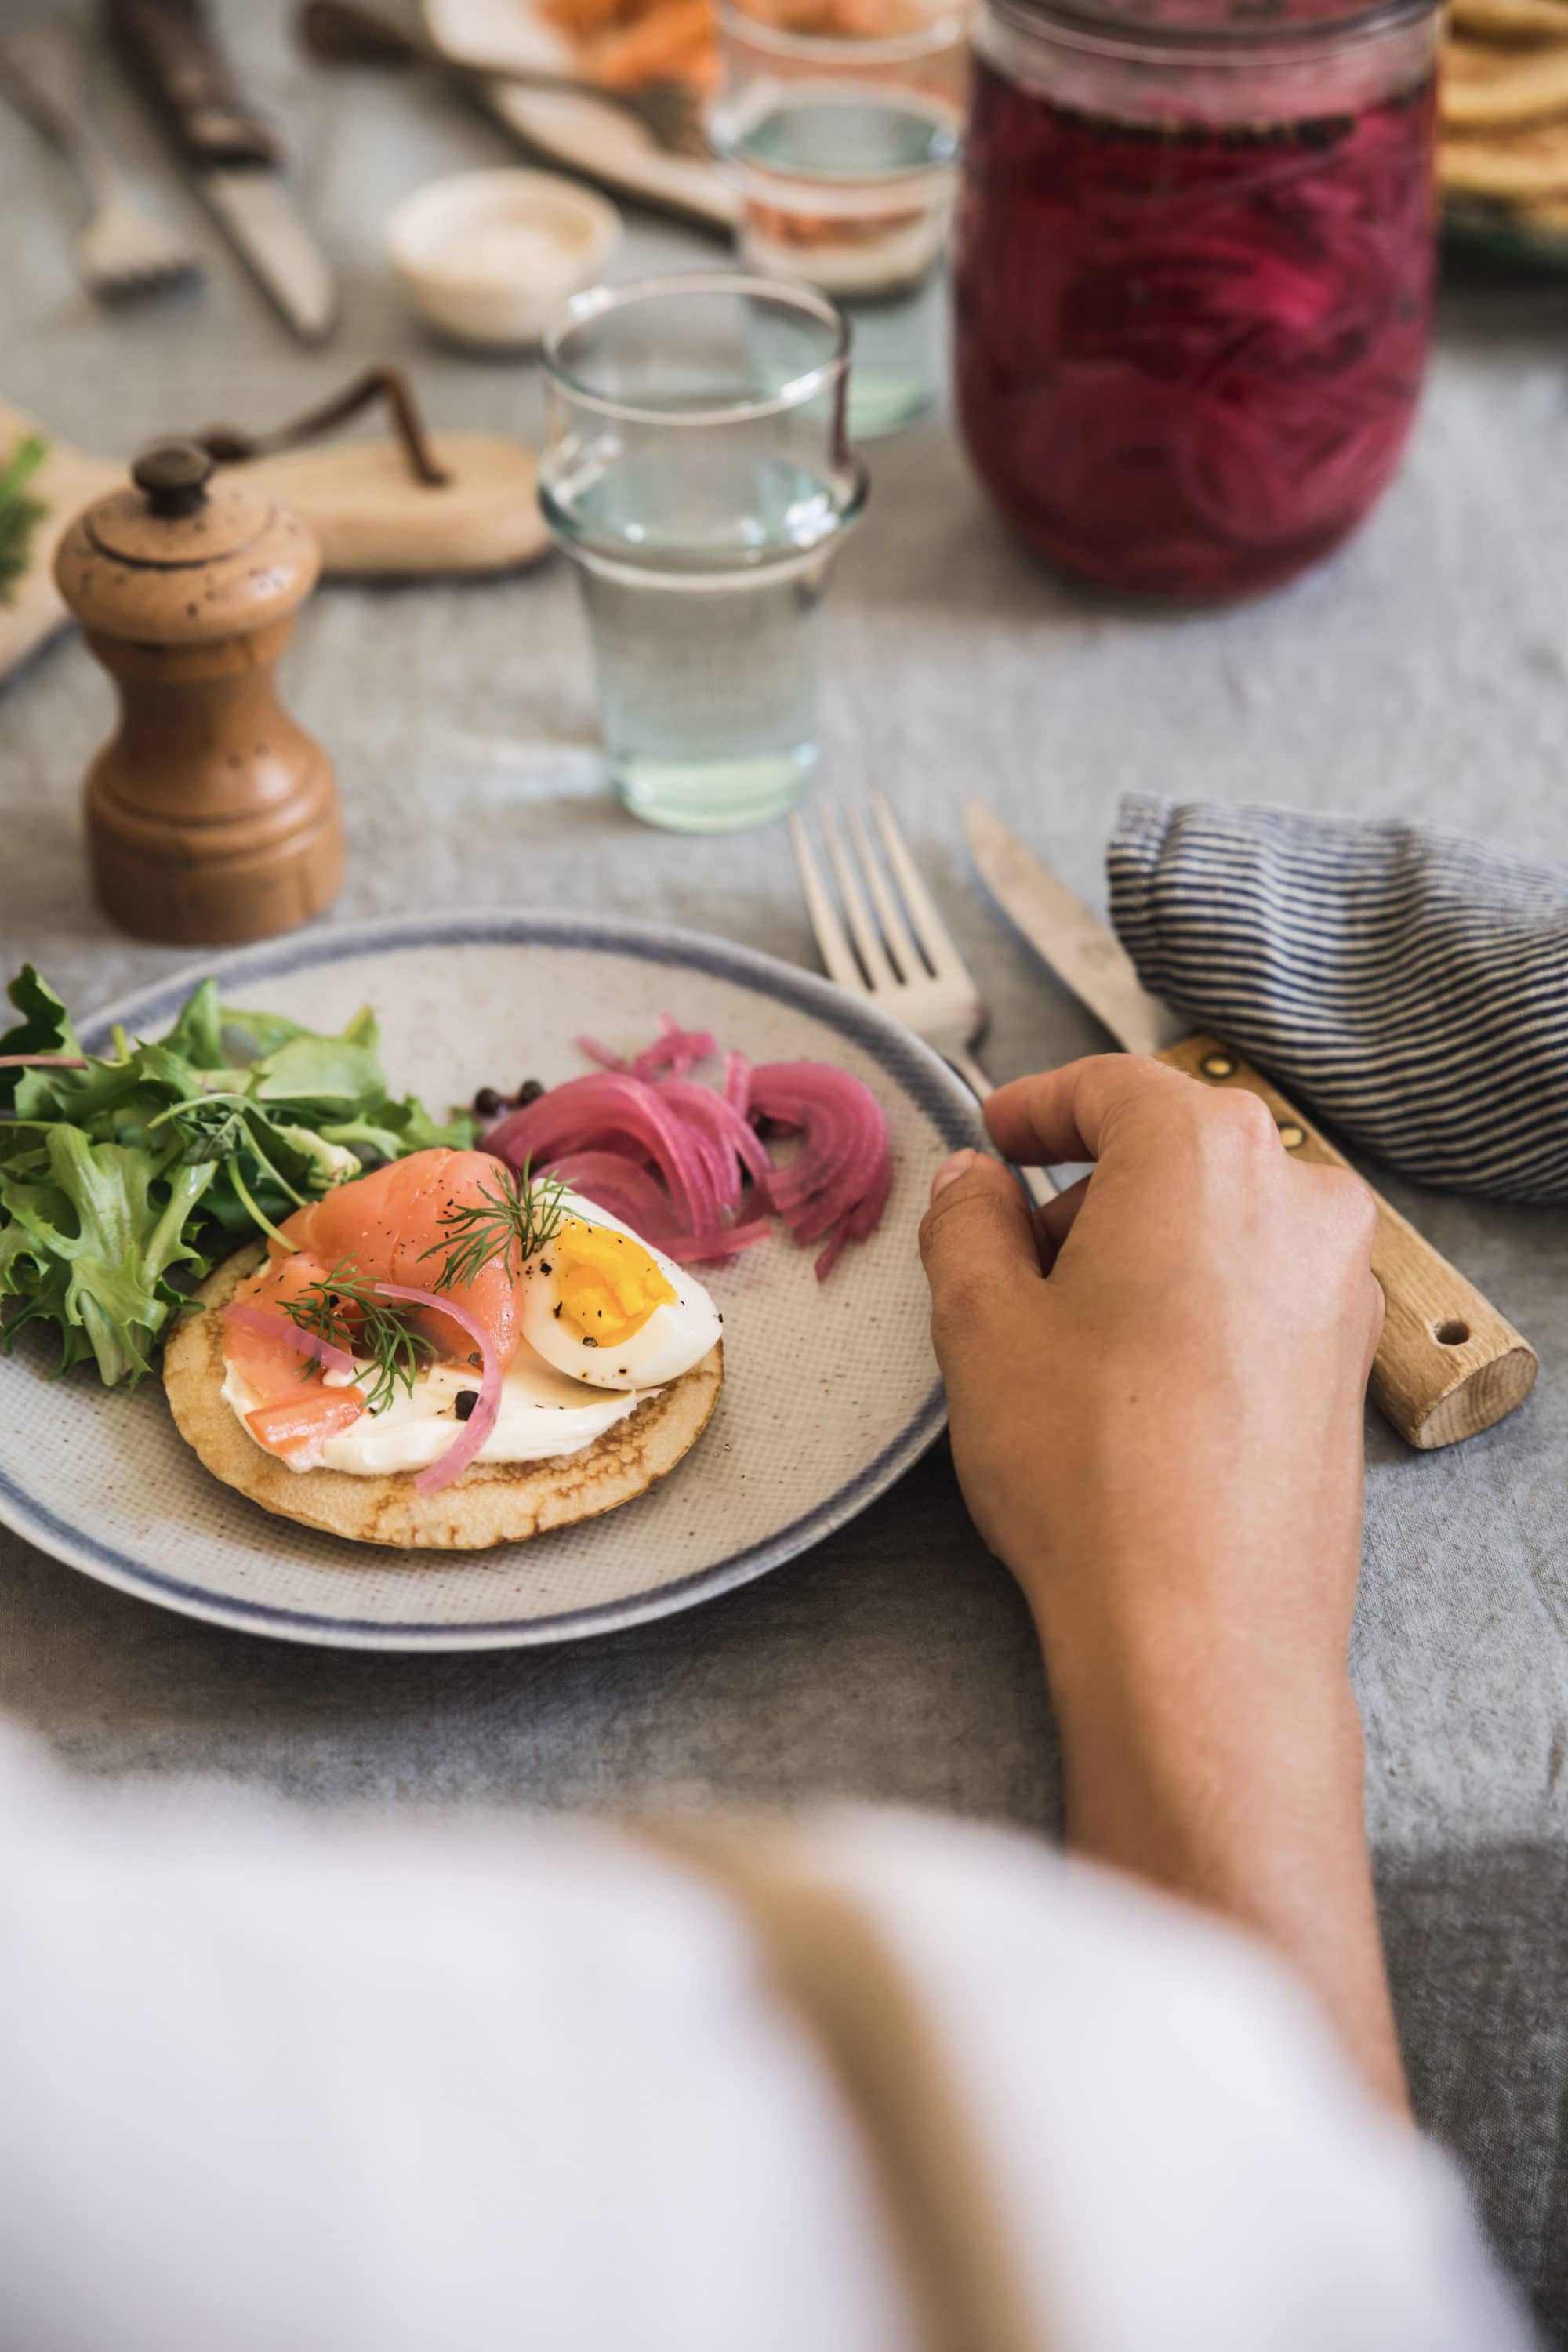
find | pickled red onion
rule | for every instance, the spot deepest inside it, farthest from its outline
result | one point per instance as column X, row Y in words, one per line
column 632, row 1194
column 842, row 1175
column 701, row 1249
column 473, row 1432
column 674, row 1050
column 592, row 1051
column 727, row 1128
column 620, row 1185
column 599, row 1134
column 592, row 1114
column 268, row 1325
column 1189, row 352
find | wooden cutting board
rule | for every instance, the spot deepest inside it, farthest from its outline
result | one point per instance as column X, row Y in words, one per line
column 369, row 515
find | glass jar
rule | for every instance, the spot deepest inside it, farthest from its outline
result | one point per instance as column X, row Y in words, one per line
column 1194, row 278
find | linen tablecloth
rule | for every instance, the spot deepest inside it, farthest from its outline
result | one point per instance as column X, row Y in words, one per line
column 1423, row 673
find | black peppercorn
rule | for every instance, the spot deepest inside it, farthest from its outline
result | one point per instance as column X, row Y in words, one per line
column 529, row 1092
column 488, row 1103
column 465, row 1401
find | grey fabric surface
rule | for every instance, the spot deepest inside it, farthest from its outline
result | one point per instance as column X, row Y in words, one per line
column 1422, row 674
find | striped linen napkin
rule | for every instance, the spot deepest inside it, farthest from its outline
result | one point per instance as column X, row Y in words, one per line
column 1409, row 985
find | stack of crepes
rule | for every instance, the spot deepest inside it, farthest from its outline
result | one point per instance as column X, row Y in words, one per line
column 1504, row 110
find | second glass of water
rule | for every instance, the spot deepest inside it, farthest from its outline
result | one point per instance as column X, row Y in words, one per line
column 697, row 469
column 842, row 144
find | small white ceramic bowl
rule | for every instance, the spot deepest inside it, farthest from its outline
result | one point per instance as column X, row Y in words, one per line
column 487, row 257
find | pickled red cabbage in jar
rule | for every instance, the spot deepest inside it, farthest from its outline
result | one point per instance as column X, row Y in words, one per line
column 1189, row 340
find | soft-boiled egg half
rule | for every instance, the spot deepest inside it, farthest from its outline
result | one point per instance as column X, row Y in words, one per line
column 610, row 1309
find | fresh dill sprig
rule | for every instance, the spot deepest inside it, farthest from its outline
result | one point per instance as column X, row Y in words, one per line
column 382, row 1332
column 520, row 1217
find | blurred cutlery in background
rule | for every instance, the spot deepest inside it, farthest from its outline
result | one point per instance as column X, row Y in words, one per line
column 343, row 33
column 233, row 160
column 123, row 253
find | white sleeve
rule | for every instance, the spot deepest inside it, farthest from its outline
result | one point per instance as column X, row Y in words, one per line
column 1187, row 2161
column 277, row 2082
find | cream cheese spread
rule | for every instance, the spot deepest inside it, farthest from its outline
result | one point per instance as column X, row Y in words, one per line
column 543, row 1413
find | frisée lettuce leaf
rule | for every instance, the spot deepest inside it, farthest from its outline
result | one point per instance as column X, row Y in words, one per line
column 124, row 1178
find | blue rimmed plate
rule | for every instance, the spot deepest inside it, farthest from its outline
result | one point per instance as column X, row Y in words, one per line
column 830, row 1391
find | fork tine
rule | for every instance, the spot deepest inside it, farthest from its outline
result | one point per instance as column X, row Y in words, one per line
column 832, row 945
column 879, row 972
column 889, row 914
column 937, row 942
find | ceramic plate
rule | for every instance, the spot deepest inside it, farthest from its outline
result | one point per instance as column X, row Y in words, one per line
column 599, row 142
column 830, row 1391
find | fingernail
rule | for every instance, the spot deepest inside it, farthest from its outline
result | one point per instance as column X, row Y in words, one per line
column 950, row 1170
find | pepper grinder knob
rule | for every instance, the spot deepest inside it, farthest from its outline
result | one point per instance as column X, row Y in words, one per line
column 212, row 817
column 173, row 478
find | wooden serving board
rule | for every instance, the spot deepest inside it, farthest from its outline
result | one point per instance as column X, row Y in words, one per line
column 371, row 517
column 368, row 514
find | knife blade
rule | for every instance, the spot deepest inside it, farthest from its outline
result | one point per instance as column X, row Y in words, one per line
column 234, row 161
column 1082, row 953
column 271, row 238
column 1449, row 1364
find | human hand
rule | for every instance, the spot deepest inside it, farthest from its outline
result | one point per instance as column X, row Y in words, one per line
column 1155, row 1388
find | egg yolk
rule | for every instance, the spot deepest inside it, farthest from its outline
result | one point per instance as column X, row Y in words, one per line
column 609, row 1285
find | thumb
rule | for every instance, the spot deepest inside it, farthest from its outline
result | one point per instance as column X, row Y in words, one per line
column 977, row 1244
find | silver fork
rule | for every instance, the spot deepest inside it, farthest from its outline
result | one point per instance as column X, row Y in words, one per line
column 123, row 252
column 896, row 948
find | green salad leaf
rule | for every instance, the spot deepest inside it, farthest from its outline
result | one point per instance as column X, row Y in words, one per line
column 125, row 1180
column 20, row 512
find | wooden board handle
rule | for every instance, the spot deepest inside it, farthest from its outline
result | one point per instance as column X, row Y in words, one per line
column 1449, row 1364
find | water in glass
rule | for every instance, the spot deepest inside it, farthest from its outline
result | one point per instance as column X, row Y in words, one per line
column 702, row 600
column 697, row 471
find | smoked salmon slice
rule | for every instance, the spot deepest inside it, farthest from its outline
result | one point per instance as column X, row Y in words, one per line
column 384, row 1225
column 297, row 1414
column 388, row 1227
column 299, row 1428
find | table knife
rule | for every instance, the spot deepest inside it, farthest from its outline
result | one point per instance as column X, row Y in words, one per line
column 233, row 159
column 1449, row 1364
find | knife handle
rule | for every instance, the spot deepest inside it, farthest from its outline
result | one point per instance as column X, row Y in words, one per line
column 173, row 48
column 1447, row 1364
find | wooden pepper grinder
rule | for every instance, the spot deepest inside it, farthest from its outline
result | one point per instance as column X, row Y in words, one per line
column 211, row 816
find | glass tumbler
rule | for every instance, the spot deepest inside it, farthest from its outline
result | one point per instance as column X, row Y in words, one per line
column 1194, row 278
column 698, row 472
column 840, row 129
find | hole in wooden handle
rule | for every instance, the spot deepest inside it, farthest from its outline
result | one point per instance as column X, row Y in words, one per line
column 1451, row 1334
